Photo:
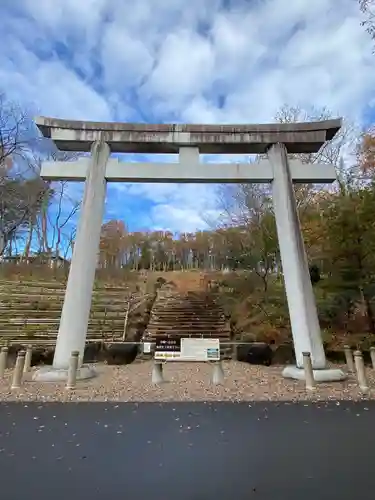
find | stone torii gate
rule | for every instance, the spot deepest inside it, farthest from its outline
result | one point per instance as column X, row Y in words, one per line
column 189, row 141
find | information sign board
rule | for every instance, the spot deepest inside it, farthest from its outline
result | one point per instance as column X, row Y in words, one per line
column 187, row 349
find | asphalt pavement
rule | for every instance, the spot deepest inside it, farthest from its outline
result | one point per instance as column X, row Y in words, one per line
column 187, row 451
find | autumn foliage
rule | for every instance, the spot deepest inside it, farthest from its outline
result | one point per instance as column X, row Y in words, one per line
column 366, row 153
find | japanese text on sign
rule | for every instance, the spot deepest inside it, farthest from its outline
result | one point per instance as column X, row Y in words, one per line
column 167, row 348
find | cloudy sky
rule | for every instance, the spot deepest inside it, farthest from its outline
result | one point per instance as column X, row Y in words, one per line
column 201, row 61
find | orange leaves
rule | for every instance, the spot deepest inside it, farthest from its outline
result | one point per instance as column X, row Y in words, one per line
column 366, row 152
column 112, row 239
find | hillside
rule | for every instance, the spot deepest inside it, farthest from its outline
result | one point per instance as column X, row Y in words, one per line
column 31, row 308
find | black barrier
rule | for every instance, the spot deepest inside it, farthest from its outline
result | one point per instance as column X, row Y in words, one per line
column 167, row 344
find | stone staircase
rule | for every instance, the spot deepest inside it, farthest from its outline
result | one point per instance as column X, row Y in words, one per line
column 194, row 314
column 30, row 312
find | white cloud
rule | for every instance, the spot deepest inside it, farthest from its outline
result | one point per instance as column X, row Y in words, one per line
column 124, row 67
column 49, row 87
column 105, row 59
column 180, row 219
column 182, row 208
column 185, row 68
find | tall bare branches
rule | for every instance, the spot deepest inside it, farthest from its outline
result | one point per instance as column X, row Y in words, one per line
column 368, row 9
column 20, row 195
column 14, row 140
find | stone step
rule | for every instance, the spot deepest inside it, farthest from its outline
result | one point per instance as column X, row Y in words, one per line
column 196, row 325
column 177, row 333
column 32, row 328
column 52, row 285
column 57, row 292
column 30, row 310
column 52, row 334
column 16, row 322
column 30, row 301
column 191, row 314
column 187, row 331
column 170, row 311
column 57, row 305
column 193, row 318
column 172, row 316
column 102, row 309
column 186, row 304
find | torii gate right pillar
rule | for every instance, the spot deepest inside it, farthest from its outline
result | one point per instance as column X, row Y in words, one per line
column 301, row 301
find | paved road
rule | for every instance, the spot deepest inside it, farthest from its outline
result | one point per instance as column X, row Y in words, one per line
column 187, row 451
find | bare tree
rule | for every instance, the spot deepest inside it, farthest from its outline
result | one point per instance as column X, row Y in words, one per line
column 368, row 9
column 66, row 209
column 51, row 223
column 19, row 201
column 15, row 127
column 21, row 189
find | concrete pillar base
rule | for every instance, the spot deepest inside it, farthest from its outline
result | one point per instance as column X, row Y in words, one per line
column 50, row 374
column 321, row 375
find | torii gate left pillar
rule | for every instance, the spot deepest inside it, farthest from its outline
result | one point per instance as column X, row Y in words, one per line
column 77, row 302
column 278, row 170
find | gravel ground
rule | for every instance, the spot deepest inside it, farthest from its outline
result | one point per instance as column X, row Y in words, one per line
column 185, row 382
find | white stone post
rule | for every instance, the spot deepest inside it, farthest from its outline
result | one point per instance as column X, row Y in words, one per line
column 18, row 370
column 361, row 372
column 299, row 292
column 72, row 372
column 217, row 373
column 3, row 361
column 349, row 358
column 372, row 354
column 28, row 358
column 157, row 373
column 77, row 303
column 309, row 373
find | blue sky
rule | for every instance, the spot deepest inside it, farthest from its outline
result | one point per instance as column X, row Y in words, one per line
column 202, row 61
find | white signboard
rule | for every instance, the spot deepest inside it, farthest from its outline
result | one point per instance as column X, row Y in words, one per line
column 191, row 350
column 200, row 349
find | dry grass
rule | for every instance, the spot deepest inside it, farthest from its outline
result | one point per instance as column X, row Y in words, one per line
column 185, row 382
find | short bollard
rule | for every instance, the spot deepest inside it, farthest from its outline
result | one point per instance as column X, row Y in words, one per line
column 147, row 347
column 361, row 372
column 217, row 374
column 309, row 373
column 29, row 353
column 18, row 370
column 349, row 358
column 72, row 370
column 157, row 373
column 372, row 354
column 3, row 361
